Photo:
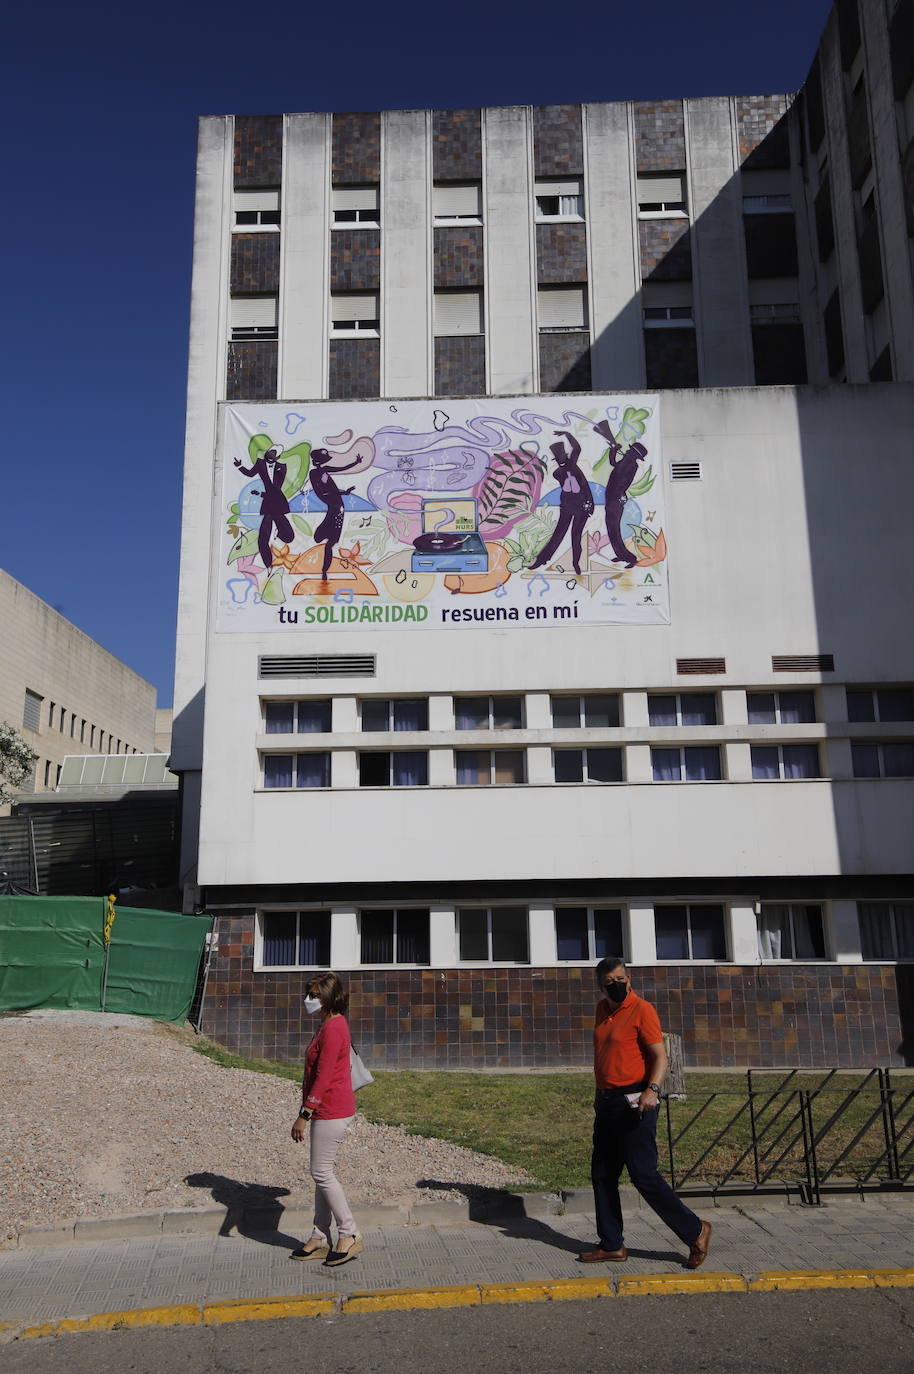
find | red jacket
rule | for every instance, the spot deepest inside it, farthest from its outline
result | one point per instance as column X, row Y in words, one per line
column 328, row 1081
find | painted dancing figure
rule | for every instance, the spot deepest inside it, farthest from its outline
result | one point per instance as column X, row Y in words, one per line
column 325, row 489
column 274, row 508
column 575, row 503
column 624, row 471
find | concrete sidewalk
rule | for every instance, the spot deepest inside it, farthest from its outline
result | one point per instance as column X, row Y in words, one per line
column 47, row 1283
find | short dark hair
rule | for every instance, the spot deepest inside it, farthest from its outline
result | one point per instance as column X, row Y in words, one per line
column 328, row 988
column 610, row 964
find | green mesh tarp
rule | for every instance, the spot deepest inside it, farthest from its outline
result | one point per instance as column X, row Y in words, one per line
column 53, row 954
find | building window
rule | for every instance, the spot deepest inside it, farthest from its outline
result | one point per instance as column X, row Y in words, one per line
column 47, row 772
column 880, row 703
column 91, row 736
column 254, row 317
column 790, row 931
column 479, row 767
column 768, row 204
column 355, row 205
column 394, row 768
column 781, row 708
column 397, row 713
column 785, row 761
column 583, row 933
column 355, row 314
column 256, row 211
column 587, row 765
column 682, row 708
column 31, row 711
column 489, row 713
column 73, row 729
column 493, row 935
column 296, row 770
column 312, row 716
column 598, row 711
column 788, row 313
column 562, row 307
column 690, row 932
column 883, row 758
column 82, row 733
column 457, row 202
column 667, row 316
column 295, row 939
column 62, row 720
column 560, row 199
column 51, row 715
column 698, row 763
column 394, row 936
column 458, row 312
column 662, row 194
column 886, row 930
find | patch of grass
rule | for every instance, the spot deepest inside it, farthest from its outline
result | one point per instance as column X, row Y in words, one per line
column 211, row 1050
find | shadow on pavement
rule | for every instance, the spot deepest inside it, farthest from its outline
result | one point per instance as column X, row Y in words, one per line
column 252, row 1209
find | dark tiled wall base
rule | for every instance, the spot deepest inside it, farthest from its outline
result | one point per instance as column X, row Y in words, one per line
column 460, row 365
column 258, row 150
column 565, row 361
column 355, row 368
column 355, row 260
column 561, row 253
column 456, row 145
column 356, row 148
column 458, row 256
column 558, row 141
column 666, row 249
column 255, row 264
column 252, row 370
column 659, row 135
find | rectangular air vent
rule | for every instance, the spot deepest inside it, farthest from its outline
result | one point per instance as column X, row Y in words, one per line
column 699, row 666
column 803, row 663
column 685, row 472
column 317, row 665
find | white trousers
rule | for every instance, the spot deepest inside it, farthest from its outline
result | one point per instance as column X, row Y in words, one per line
column 329, row 1198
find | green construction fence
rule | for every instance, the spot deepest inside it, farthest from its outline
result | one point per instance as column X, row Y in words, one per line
column 88, row 954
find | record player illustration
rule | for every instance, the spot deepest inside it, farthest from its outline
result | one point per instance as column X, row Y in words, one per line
column 450, row 540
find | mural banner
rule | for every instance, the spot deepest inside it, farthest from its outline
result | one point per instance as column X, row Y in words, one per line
column 540, row 510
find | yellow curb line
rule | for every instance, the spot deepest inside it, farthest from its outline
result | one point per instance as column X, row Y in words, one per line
column 461, row 1295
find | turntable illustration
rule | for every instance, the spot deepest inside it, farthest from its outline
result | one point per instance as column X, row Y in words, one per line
column 450, row 540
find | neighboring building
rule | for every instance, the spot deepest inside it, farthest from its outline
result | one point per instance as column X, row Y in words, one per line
column 456, row 807
column 63, row 691
column 163, row 729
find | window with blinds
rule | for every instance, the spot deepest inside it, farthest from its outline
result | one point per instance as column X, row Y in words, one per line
column 662, row 194
column 254, row 317
column 256, row 210
column 560, row 199
column 562, row 307
column 31, row 711
column 457, row 201
column 355, row 205
column 458, row 312
column 355, row 314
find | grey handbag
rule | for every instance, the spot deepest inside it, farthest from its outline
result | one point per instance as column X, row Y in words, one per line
column 360, row 1075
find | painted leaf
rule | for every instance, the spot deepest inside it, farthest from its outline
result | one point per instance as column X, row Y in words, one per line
column 604, row 458
column 244, row 546
column 643, row 484
column 297, row 461
column 258, row 445
column 509, row 491
column 301, row 525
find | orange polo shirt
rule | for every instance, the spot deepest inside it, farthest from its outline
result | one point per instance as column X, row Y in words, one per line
column 620, row 1039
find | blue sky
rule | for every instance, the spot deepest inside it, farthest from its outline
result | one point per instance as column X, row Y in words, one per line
column 101, row 103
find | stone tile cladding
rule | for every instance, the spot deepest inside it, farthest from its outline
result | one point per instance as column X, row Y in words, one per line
column 761, row 130
column 558, row 141
column 251, row 374
column 666, row 249
column 565, row 360
column 356, row 144
column 671, row 358
column 561, row 252
column 255, row 264
column 802, row 1016
column 355, row 369
column 456, row 145
column 355, row 260
column 258, row 150
column 659, row 135
column 458, row 255
column 460, row 365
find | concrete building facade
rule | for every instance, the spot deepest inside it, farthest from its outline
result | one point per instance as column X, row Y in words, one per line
column 765, row 898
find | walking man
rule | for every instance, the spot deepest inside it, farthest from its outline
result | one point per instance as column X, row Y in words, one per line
column 629, row 1066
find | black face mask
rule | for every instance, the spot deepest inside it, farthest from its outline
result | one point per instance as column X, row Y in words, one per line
column 617, row 992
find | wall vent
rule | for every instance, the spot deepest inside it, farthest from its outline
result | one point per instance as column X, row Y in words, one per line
column 685, row 472
column 698, row 666
column 803, row 663
column 316, row 665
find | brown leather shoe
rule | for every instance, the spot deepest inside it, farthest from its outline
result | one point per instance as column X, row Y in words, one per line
column 699, row 1251
column 599, row 1256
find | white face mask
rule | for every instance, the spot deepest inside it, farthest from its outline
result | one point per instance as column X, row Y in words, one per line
column 312, row 1004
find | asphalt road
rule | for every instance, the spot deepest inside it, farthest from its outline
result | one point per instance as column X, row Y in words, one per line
column 757, row 1332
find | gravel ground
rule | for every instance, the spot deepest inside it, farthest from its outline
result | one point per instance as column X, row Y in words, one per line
column 101, row 1115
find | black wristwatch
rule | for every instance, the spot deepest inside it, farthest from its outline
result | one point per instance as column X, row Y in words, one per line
column 655, row 1088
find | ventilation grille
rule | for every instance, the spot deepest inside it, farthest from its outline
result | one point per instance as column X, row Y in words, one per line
column 697, row 666
column 317, row 665
column 803, row 663
column 685, row 472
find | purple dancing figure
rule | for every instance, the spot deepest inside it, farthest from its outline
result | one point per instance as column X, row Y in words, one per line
column 274, row 508
column 621, row 477
column 326, row 490
column 575, row 502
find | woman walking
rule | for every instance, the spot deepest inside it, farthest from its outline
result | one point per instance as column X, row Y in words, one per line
column 328, row 1104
